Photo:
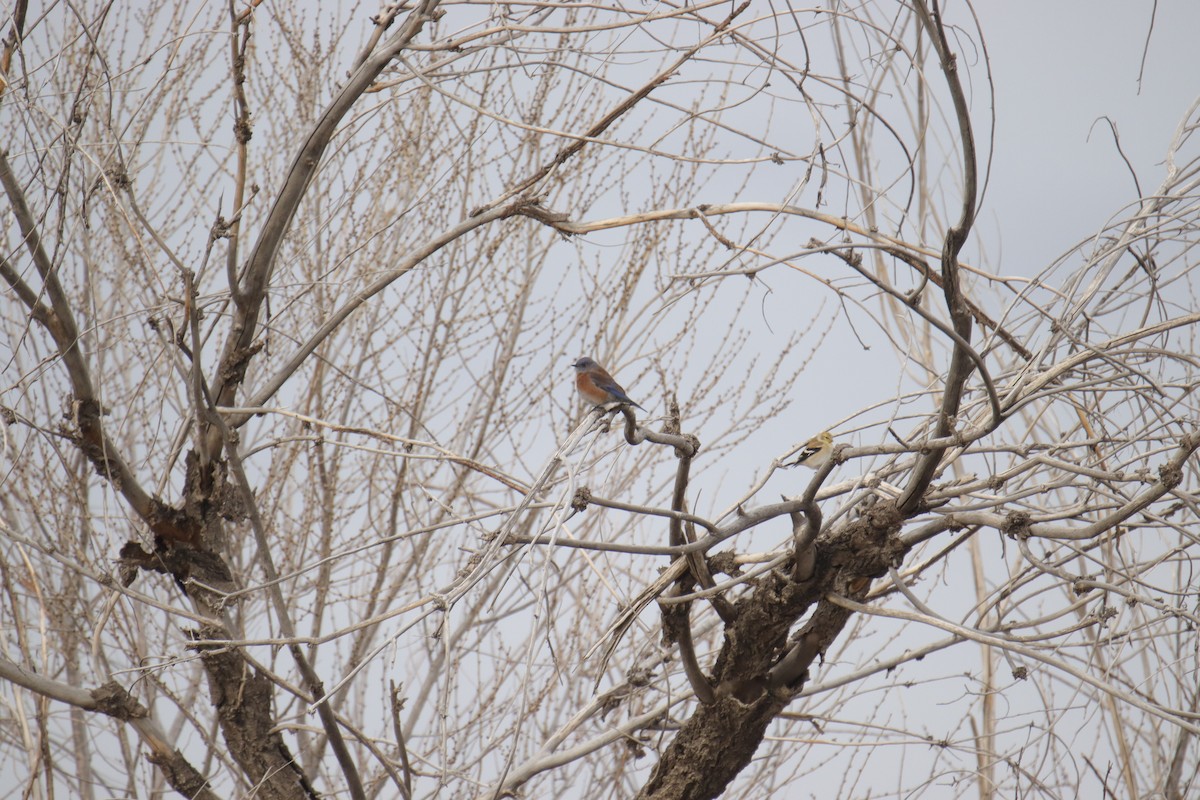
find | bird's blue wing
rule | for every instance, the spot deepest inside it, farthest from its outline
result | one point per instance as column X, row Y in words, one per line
column 607, row 384
column 612, row 387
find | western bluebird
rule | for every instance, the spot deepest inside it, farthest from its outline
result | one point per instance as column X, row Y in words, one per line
column 596, row 386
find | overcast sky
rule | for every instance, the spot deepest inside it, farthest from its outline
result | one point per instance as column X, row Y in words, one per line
column 1059, row 68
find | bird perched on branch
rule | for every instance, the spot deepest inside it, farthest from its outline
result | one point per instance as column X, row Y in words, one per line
column 597, row 387
column 816, row 451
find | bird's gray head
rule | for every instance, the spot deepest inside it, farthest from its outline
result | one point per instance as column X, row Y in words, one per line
column 584, row 364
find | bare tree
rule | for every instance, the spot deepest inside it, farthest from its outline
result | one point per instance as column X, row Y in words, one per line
column 298, row 500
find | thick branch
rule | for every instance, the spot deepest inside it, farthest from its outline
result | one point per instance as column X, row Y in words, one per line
column 677, row 620
column 250, row 292
column 335, row 319
column 311, row 679
column 113, row 700
column 961, row 364
column 759, row 669
column 59, row 321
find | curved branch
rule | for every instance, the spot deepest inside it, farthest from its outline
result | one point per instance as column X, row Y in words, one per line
column 350, row 306
column 1163, row 713
column 59, row 321
column 1022, row 525
column 250, row 292
column 960, row 360
column 622, row 108
column 311, row 679
column 805, row 536
column 961, row 342
column 112, row 699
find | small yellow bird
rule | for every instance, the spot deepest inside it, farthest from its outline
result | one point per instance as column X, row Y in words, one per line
column 816, row 451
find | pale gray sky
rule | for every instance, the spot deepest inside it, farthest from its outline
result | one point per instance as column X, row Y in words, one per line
column 1059, row 68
